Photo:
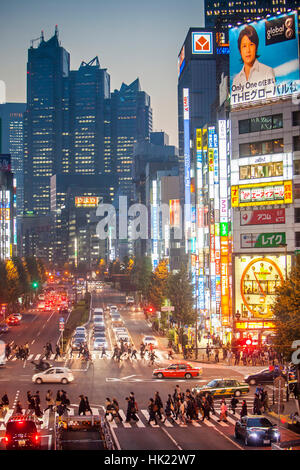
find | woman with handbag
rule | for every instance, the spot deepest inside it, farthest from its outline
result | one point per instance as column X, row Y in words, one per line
column 152, row 408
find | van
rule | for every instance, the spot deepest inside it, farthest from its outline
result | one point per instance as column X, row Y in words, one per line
column 2, row 354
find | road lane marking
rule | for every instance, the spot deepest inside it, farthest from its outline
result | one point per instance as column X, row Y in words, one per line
column 172, row 439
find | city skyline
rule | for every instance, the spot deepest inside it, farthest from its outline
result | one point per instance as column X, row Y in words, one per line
column 80, row 36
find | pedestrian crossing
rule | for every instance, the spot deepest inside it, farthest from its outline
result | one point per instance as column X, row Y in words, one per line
column 49, row 418
column 37, row 357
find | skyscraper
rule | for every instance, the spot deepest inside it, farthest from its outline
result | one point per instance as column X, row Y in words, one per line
column 11, row 130
column 46, row 130
column 223, row 13
column 89, row 88
column 131, row 122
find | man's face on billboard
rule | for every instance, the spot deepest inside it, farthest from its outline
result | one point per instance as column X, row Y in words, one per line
column 248, row 51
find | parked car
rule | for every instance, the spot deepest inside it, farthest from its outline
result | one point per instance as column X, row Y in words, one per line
column 255, row 429
column 54, row 374
column 21, row 433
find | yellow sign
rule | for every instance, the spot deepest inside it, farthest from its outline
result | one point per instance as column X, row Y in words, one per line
column 257, row 194
column 86, row 201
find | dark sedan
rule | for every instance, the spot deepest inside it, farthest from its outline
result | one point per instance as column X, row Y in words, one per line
column 265, row 376
column 256, row 430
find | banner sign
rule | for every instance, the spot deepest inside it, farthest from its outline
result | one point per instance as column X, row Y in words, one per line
column 263, row 217
column 262, row 240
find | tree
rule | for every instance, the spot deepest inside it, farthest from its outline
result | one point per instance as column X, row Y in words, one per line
column 141, row 274
column 158, row 285
column 180, row 293
column 286, row 309
column 13, row 285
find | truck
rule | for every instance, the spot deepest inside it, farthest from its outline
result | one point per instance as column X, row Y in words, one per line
column 83, row 433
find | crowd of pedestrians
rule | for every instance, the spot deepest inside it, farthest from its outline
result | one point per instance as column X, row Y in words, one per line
column 127, row 351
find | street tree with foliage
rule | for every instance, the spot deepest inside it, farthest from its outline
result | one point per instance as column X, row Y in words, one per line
column 180, row 294
column 158, row 285
column 286, row 309
column 141, row 275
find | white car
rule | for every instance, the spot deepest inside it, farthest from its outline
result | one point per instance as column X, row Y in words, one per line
column 122, row 335
column 61, row 375
column 113, row 309
column 129, row 300
column 98, row 310
column 98, row 318
column 120, row 329
column 147, row 340
column 80, row 329
column 99, row 343
column 18, row 316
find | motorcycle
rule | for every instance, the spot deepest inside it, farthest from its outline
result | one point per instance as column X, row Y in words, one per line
column 41, row 366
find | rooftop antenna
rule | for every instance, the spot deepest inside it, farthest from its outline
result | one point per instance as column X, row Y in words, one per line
column 56, row 30
column 41, row 38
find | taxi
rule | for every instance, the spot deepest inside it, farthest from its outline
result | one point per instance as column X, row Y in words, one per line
column 224, row 387
column 180, row 370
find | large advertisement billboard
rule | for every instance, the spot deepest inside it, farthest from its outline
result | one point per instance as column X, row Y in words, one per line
column 264, row 60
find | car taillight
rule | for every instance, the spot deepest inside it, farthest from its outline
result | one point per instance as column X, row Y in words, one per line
column 36, row 437
column 6, row 439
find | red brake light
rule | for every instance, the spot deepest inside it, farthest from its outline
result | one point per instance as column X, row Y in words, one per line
column 6, row 439
column 37, row 437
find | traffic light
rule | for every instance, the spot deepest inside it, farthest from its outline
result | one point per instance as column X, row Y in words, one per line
column 35, row 284
column 150, row 309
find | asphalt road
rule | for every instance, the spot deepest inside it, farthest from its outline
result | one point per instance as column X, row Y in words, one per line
column 106, row 378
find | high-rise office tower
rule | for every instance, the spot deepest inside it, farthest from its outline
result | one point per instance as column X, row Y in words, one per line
column 89, row 88
column 11, row 142
column 131, row 122
column 197, row 74
column 46, row 128
column 224, row 13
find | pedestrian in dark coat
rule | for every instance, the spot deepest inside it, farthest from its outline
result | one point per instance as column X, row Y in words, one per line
column 170, row 409
column 151, row 410
column 87, row 405
column 82, row 406
column 206, row 409
column 233, row 404
column 244, row 410
column 19, row 408
column 158, row 402
column 256, row 405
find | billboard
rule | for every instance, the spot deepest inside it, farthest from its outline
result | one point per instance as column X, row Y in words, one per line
column 263, row 240
column 86, row 201
column 263, row 217
column 181, row 60
column 256, row 282
column 202, row 43
column 262, row 194
column 264, row 60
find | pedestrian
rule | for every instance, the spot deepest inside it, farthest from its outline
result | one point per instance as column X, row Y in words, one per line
column 152, row 412
column 266, row 401
column 131, row 409
column 257, row 405
column 170, row 354
column 37, row 397
column 37, row 409
column 170, row 410
column 133, row 354
column 5, row 402
column 109, row 409
column 223, row 414
column 7, row 350
column 87, row 405
column 206, row 409
column 18, row 408
column 159, row 404
column 26, row 350
column 182, row 411
column 244, row 410
column 117, row 408
column 217, row 355
column 207, row 351
column 82, row 405
column 210, row 400
column 103, row 351
column 57, row 352
column 233, row 404
column 49, row 401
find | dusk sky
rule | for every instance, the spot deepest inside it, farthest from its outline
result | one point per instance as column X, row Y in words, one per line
column 132, row 38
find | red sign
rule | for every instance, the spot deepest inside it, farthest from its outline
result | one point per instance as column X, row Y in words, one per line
column 263, row 217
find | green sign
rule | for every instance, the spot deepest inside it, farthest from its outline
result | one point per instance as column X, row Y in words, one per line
column 270, row 240
column 224, row 229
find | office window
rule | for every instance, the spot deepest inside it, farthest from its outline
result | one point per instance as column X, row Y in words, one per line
column 261, row 148
column 296, row 118
column 297, row 215
column 262, row 123
column 297, row 239
column 296, row 164
column 297, row 191
column 296, row 143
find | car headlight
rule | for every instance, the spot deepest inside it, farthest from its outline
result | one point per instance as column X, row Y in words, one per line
column 276, row 434
column 253, row 435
